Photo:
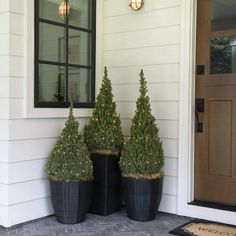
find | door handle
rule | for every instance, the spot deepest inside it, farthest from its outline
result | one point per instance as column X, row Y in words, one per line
column 199, row 107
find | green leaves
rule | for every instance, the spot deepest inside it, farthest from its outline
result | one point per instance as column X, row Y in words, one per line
column 103, row 131
column 69, row 159
column 143, row 152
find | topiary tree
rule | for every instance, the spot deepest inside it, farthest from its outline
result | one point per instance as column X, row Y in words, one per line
column 69, row 159
column 142, row 155
column 103, row 132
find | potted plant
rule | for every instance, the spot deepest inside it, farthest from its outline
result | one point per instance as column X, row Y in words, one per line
column 104, row 139
column 70, row 173
column 141, row 162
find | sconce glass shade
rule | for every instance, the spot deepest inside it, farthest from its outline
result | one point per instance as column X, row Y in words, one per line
column 63, row 7
column 136, row 4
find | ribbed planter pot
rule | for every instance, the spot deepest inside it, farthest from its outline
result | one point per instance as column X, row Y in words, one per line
column 142, row 197
column 107, row 192
column 71, row 200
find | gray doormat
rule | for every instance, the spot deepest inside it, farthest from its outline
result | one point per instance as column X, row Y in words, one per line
column 204, row 228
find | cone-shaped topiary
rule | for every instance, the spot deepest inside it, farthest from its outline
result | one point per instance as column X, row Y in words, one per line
column 69, row 159
column 103, row 132
column 142, row 155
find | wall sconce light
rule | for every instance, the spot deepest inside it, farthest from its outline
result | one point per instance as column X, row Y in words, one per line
column 136, row 4
column 63, row 9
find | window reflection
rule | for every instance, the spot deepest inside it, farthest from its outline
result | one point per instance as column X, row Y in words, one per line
column 223, row 55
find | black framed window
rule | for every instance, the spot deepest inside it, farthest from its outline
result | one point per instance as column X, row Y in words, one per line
column 65, row 33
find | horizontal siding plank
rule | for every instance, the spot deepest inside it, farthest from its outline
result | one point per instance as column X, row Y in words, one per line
column 11, row 108
column 28, row 191
column 164, row 4
column 151, row 37
column 142, row 56
column 160, row 110
column 168, row 129
column 28, row 211
column 168, row 204
column 4, row 62
column 4, row 87
column 171, row 167
column 4, row 29
column 16, row 23
column 27, row 171
column 170, row 147
column 156, row 92
column 121, row 6
column 4, row 213
column 142, row 20
column 23, row 150
column 38, row 128
column 4, row 111
column 34, row 170
column 4, row 194
column 167, row 73
column 16, row 44
column 4, row 43
column 3, row 173
column 4, row 6
column 11, row 87
column 170, row 185
column 4, row 127
column 16, row 66
column 16, row 6
column 16, row 87
column 16, row 108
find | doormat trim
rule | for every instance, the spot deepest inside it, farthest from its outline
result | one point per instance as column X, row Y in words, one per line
column 180, row 230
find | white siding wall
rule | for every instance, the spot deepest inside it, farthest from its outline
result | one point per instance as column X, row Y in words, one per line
column 24, row 143
column 148, row 39
column 5, row 95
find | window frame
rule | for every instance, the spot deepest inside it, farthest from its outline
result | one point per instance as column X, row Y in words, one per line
column 66, row 64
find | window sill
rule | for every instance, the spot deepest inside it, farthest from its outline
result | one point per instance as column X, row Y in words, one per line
column 57, row 112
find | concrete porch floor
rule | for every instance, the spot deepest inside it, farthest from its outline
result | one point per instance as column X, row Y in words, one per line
column 116, row 224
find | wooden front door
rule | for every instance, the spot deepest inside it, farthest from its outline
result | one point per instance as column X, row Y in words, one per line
column 215, row 133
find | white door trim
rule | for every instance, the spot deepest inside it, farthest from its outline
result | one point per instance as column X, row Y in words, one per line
column 186, row 121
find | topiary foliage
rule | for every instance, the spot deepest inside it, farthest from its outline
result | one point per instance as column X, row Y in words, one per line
column 70, row 159
column 103, row 131
column 142, row 155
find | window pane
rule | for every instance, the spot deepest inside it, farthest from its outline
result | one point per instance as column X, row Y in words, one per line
column 52, row 43
column 79, row 87
column 223, row 13
column 49, row 10
column 51, row 83
column 79, row 45
column 80, row 13
column 223, row 55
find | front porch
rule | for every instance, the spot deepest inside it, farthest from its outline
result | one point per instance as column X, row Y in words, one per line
column 115, row 224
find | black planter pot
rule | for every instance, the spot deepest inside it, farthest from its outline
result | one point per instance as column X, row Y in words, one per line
column 107, row 193
column 142, row 197
column 71, row 200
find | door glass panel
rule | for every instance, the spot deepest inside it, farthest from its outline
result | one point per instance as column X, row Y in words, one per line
column 223, row 15
column 223, row 55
